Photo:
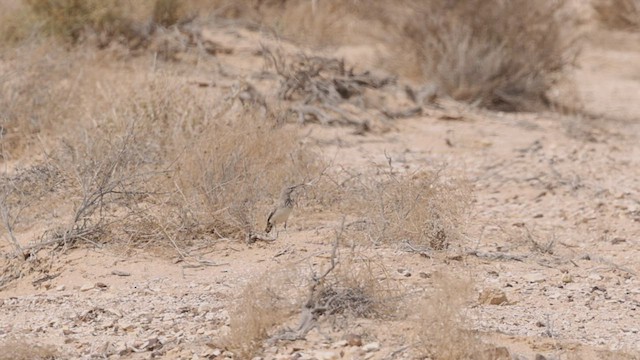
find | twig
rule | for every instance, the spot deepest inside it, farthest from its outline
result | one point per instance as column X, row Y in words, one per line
column 312, row 308
column 495, row 255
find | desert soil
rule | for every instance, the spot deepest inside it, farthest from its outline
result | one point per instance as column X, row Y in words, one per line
column 554, row 227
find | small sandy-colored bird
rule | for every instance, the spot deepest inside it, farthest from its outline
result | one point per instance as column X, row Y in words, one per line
column 281, row 213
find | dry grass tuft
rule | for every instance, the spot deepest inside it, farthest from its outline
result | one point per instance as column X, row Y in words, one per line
column 165, row 164
column 71, row 19
column 424, row 209
column 263, row 304
column 234, row 170
column 354, row 289
column 440, row 327
column 618, row 14
column 497, row 54
column 14, row 349
column 347, row 288
column 35, row 96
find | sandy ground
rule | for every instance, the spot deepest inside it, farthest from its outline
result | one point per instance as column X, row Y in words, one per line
column 554, row 226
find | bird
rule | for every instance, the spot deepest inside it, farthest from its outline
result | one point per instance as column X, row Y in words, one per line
column 282, row 211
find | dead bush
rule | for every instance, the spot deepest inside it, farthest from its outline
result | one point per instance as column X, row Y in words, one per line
column 17, row 23
column 71, row 19
column 440, row 323
column 35, row 96
column 166, row 12
column 424, row 208
column 23, row 195
column 346, row 288
column 618, row 14
column 234, row 170
column 106, row 22
column 106, row 172
column 497, row 54
column 264, row 303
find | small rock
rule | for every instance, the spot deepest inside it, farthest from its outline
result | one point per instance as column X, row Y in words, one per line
column 424, row 275
column 618, row 240
column 493, row 297
column 534, row 277
column 354, row 340
column 128, row 327
column 101, row 285
column 540, row 357
column 325, row 355
column 146, row 318
column 595, row 277
column 120, row 273
column 370, row 347
column 339, row 344
column 86, row 287
column 152, row 344
column 497, row 353
column 60, row 288
column 567, row 278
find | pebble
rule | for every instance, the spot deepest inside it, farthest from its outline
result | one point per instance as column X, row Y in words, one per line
column 534, row 277
column 339, row 344
column 354, row 340
column 325, row 355
column 492, row 297
column 370, row 347
column 86, row 287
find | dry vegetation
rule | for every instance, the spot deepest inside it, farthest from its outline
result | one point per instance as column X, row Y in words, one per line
column 502, row 55
column 347, row 288
column 440, row 322
column 618, row 14
column 159, row 164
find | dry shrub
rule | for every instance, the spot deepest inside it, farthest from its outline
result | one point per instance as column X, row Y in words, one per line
column 346, row 289
column 24, row 196
column 106, row 21
column 17, row 23
column 167, row 12
column 107, row 173
column 354, row 289
column 175, row 168
column 497, row 54
column 618, row 14
column 316, row 23
column 35, row 96
column 424, row 208
column 264, row 303
column 440, row 327
column 14, row 349
column 234, row 170
column 71, row 19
